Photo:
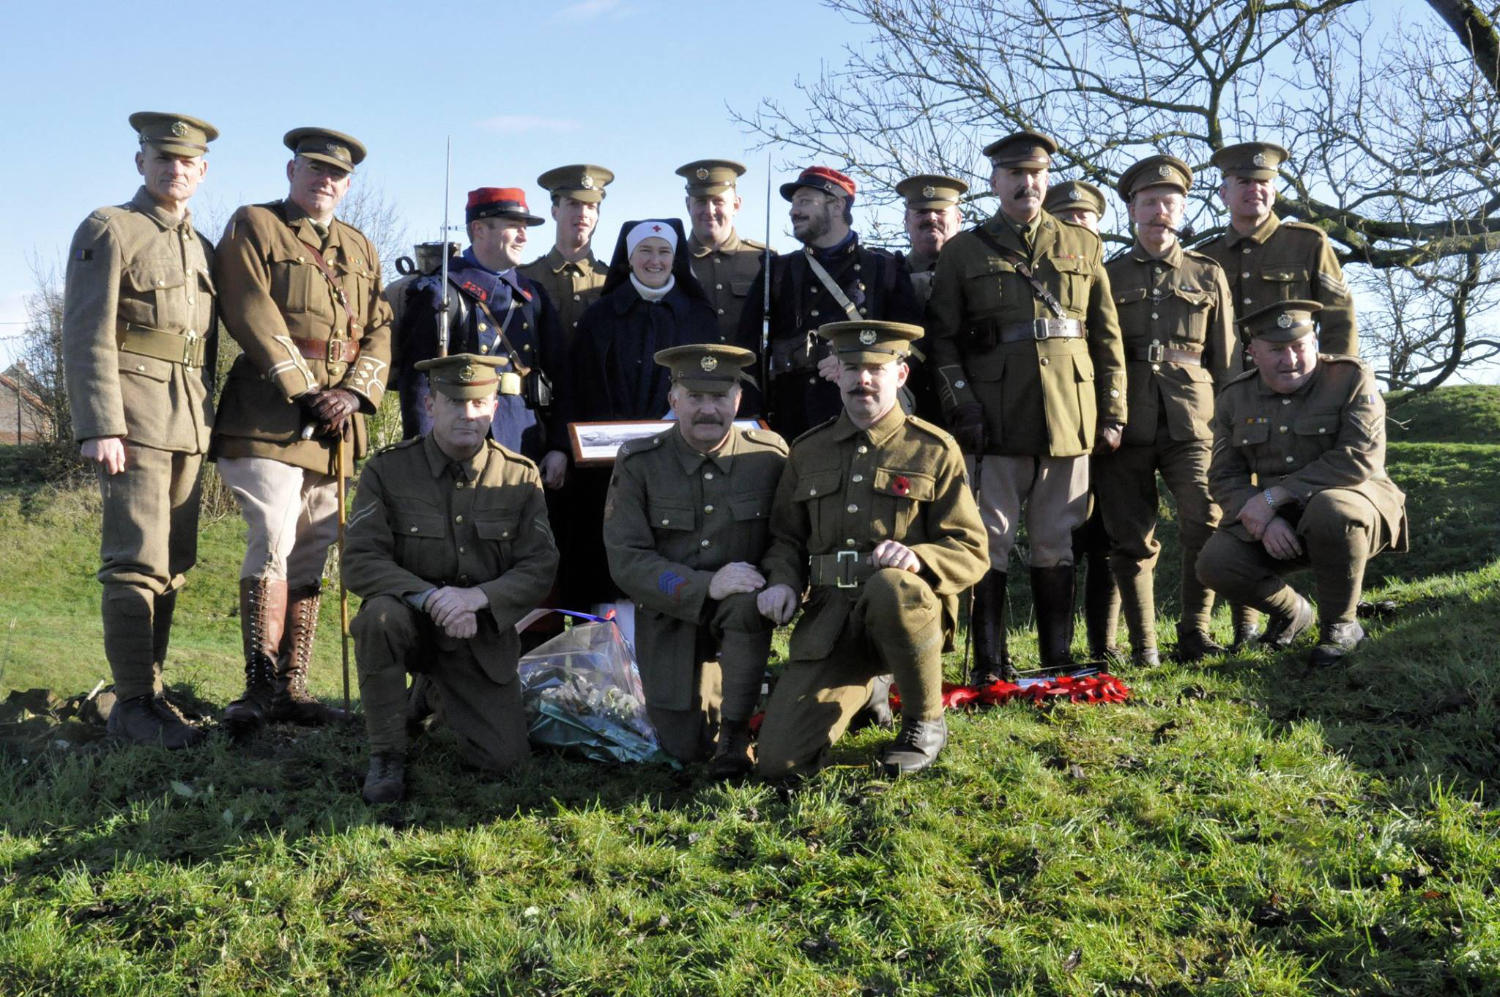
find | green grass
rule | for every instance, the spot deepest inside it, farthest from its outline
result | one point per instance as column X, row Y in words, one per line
column 1240, row 827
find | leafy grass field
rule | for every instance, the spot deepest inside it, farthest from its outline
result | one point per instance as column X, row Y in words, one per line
column 1245, row 826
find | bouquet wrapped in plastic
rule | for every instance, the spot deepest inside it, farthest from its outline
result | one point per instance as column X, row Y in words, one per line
column 582, row 694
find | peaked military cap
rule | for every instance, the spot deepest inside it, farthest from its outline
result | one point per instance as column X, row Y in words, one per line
column 708, row 367
column 1074, row 195
column 1254, row 160
column 326, row 146
column 711, row 176
column 869, row 341
column 1022, row 149
column 580, row 181
column 1155, row 171
column 1282, row 322
column 175, row 133
column 829, row 181
column 499, row 202
column 464, row 375
column 931, row 191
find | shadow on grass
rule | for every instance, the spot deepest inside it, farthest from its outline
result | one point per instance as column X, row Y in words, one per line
column 1417, row 705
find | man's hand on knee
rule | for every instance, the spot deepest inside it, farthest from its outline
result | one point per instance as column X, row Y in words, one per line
column 891, row 554
column 777, row 603
column 1280, row 540
column 735, row 577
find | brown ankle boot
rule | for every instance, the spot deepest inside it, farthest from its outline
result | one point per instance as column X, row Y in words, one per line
column 262, row 619
column 292, row 702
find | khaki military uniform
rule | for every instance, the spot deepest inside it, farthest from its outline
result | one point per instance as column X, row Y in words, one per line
column 1325, row 443
column 422, row 520
column 298, row 335
column 1282, row 261
column 674, row 516
column 139, row 338
column 1041, row 397
column 1179, row 341
column 726, row 273
column 845, row 490
column 571, row 286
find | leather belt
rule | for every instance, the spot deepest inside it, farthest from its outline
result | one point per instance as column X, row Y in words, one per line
column 328, row 350
column 187, row 348
column 1041, row 328
column 1157, row 353
column 845, row 569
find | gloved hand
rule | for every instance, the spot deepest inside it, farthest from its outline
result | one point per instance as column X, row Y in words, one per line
column 331, row 408
column 966, row 423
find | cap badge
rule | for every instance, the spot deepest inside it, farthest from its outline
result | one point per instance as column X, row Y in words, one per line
column 587, row 183
column 929, row 191
column 709, row 363
column 466, row 375
column 1259, row 159
column 1284, row 320
column 1163, row 170
column 867, row 337
column 702, row 173
column 179, row 129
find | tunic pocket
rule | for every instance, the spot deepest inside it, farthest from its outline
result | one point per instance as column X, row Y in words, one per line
column 154, row 295
column 292, row 281
column 899, row 494
column 815, row 491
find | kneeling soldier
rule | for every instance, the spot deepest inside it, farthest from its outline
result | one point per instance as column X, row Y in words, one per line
column 449, row 547
column 685, row 525
column 1299, row 469
column 874, row 512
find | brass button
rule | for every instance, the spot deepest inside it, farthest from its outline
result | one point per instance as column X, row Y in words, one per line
column 850, row 542
column 851, row 507
column 812, row 491
column 708, row 508
column 460, row 549
column 704, row 542
column 1282, row 428
column 1043, row 361
column 666, row 522
column 708, row 475
column 862, row 449
column 458, row 519
column 857, row 478
column 414, row 529
column 960, row 384
column 1290, row 459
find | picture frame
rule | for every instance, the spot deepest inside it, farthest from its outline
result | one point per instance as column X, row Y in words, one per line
column 595, row 444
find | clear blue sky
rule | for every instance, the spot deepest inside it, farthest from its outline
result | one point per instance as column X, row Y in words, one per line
column 639, row 86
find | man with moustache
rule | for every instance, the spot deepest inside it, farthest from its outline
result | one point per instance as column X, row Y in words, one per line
column 874, row 513
column 1299, row 469
column 1025, row 347
column 834, row 278
column 570, row 273
column 1180, row 344
column 139, row 349
column 1081, row 203
column 300, row 293
column 493, row 310
column 724, row 263
column 448, row 547
column 932, row 218
column 685, row 526
column 1269, row 260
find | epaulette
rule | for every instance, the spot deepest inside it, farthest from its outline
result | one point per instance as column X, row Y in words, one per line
column 398, row 445
column 642, row 444
column 753, row 243
column 510, row 455
column 765, row 438
column 1306, row 227
column 1243, row 375
column 1201, row 257
column 930, row 428
column 106, row 213
column 822, row 425
column 1342, row 358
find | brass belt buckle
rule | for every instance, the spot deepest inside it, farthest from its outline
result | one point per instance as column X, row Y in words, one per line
column 1155, row 353
column 190, row 351
column 845, row 577
column 335, row 351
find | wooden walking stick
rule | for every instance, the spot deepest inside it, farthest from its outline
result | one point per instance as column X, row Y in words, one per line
column 339, row 450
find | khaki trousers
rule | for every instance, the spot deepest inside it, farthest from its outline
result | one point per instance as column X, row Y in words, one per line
column 1055, row 492
column 486, row 717
column 292, row 516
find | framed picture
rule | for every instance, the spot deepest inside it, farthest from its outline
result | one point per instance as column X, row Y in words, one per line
column 596, row 443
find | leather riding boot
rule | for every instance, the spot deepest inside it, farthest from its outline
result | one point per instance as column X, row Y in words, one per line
column 1052, row 592
column 1101, row 608
column 262, row 620
column 292, row 702
column 916, row 746
column 732, row 758
column 987, row 630
column 385, row 782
